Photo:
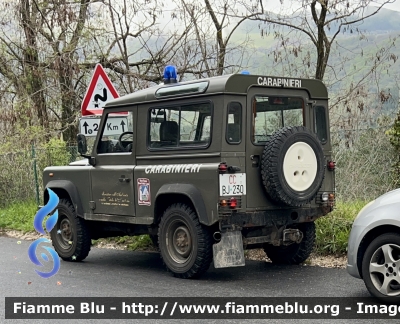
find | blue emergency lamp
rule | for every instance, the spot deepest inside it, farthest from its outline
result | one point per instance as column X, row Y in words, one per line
column 170, row 74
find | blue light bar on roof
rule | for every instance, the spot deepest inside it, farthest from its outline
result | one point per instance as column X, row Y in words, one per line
column 170, row 75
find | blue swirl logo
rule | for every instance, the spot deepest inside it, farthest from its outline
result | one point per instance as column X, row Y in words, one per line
column 50, row 223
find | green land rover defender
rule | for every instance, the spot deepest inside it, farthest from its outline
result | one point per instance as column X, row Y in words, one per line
column 207, row 168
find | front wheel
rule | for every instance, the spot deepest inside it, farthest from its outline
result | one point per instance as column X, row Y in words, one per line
column 294, row 253
column 381, row 268
column 185, row 245
column 70, row 235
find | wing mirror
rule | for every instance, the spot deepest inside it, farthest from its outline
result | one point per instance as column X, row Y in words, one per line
column 82, row 145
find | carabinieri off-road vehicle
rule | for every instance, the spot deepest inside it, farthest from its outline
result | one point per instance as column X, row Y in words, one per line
column 207, row 168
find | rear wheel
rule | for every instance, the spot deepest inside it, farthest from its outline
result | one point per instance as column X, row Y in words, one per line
column 294, row 253
column 70, row 236
column 185, row 245
column 381, row 268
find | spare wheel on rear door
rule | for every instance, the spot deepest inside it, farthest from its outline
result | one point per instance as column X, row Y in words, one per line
column 293, row 166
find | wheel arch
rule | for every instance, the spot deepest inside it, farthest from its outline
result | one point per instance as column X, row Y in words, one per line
column 67, row 190
column 369, row 237
column 180, row 193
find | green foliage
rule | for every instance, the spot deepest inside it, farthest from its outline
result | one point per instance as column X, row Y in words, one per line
column 54, row 152
column 394, row 136
column 132, row 243
column 16, row 177
column 18, row 216
column 363, row 162
column 332, row 231
column 140, row 242
column 17, row 169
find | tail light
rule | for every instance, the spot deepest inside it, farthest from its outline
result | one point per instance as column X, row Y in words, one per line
column 233, row 203
column 222, row 167
column 331, row 165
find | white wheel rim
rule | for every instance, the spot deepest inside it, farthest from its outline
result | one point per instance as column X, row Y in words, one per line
column 300, row 166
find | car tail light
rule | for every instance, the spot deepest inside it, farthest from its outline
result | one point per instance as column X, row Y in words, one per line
column 223, row 203
column 331, row 165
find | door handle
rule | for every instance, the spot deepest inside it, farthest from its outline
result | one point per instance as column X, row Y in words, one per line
column 123, row 179
column 255, row 160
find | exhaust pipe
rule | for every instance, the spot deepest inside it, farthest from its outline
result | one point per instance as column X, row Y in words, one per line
column 217, row 236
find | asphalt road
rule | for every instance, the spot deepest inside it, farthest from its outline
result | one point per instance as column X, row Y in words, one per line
column 114, row 273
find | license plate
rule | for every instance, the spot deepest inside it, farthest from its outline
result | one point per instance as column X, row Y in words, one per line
column 232, row 184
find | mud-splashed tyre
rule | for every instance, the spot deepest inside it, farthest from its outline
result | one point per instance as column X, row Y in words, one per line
column 294, row 253
column 185, row 245
column 293, row 166
column 70, row 236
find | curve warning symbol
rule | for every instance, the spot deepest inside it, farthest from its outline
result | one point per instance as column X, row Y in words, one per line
column 99, row 92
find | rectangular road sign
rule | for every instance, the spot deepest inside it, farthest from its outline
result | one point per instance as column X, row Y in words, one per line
column 89, row 126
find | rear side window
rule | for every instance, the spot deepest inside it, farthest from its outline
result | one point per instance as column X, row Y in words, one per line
column 234, row 125
column 272, row 113
column 180, row 126
column 320, row 123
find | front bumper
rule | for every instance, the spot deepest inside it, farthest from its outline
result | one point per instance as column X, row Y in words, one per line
column 356, row 235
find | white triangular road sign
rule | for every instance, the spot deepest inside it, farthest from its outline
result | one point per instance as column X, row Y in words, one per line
column 99, row 92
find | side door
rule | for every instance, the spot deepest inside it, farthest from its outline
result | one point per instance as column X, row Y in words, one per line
column 268, row 110
column 113, row 191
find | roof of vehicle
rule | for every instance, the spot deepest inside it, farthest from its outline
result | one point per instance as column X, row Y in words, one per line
column 232, row 83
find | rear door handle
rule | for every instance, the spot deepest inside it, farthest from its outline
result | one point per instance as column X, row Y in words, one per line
column 255, row 161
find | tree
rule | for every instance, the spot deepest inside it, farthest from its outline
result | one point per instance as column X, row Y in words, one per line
column 62, row 25
column 19, row 62
column 319, row 21
column 42, row 48
column 210, row 21
column 306, row 33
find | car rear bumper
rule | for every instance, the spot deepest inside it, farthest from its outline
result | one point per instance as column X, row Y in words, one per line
column 275, row 217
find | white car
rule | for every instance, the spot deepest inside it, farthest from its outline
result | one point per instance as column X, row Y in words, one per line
column 374, row 247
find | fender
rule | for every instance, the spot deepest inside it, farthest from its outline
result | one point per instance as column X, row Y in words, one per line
column 70, row 188
column 192, row 193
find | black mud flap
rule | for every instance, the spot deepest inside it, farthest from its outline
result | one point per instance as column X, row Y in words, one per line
column 229, row 251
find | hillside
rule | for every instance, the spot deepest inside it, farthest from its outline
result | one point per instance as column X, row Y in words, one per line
column 350, row 60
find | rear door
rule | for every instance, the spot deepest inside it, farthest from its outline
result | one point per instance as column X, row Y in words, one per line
column 269, row 109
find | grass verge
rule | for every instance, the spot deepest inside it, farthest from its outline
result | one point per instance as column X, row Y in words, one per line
column 18, row 216
column 332, row 231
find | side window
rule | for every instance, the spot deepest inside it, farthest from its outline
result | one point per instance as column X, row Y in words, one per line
column 272, row 113
column 206, row 129
column 117, row 134
column 320, row 123
column 180, row 126
column 234, row 124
